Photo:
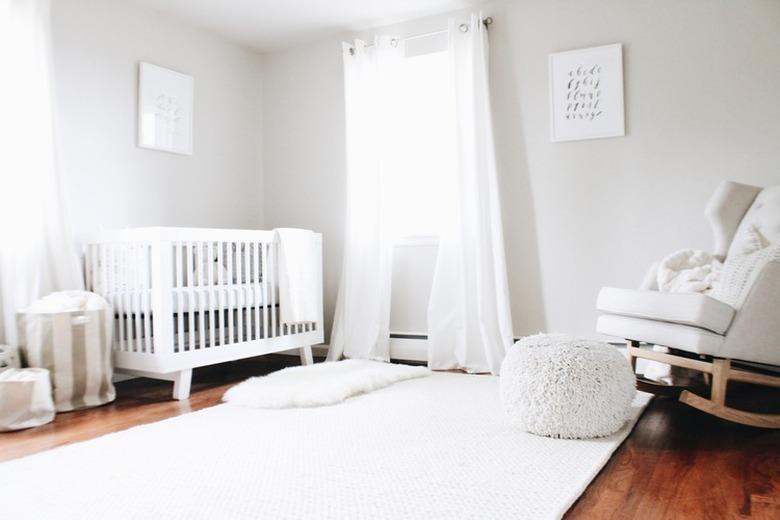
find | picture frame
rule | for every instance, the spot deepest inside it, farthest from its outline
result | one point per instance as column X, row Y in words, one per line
column 165, row 109
column 586, row 93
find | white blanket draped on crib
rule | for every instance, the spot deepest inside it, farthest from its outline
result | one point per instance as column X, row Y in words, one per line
column 298, row 275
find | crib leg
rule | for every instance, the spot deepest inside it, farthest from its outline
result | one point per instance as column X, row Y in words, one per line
column 306, row 356
column 181, row 384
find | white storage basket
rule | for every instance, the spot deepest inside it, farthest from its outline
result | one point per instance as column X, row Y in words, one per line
column 25, row 398
column 74, row 345
column 9, row 357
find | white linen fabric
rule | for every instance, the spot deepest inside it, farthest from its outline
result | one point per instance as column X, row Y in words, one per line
column 436, row 447
column 688, row 271
column 298, row 276
column 37, row 255
column 361, row 325
column 320, row 384
column 469, row 319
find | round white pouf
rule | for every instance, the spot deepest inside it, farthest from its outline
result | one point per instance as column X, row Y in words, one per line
column 560, row 386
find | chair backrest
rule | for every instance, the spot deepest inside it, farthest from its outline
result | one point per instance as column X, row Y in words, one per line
column 746, row 223
column 760, row 227
column 726, row 209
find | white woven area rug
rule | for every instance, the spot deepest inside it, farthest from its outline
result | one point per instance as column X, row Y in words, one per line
column 435, row 447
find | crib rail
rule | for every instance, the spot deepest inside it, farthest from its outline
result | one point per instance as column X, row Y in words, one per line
column 183, row 296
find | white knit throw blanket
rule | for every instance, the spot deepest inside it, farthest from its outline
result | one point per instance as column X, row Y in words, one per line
column 739, row 273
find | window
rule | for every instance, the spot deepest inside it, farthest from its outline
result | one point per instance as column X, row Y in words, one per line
column 423, row 168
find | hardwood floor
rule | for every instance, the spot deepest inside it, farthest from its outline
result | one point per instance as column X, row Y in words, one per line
column 678, row 463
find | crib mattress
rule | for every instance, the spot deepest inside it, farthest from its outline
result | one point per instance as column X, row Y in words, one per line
column 198, row 299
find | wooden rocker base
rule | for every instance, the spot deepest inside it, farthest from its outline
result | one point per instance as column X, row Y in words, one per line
column 644, row 384
column 759, row 420
column 721, row 372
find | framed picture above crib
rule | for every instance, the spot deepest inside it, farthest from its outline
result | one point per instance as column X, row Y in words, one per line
column 586, row 93
column 165, row 103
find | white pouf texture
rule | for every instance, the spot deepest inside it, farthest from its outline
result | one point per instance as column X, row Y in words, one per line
column 559, row 386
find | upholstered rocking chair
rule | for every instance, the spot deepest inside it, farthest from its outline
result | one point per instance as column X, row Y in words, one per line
column 732, row 334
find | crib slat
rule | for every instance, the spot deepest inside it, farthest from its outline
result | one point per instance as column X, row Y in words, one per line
column 147, row 307
column 107, row 258
column 264, row 283
column 190, row 297
column 123, row 278
column 230, row 292
column 179, row 296
column 248, row 300
column 274, row 284
column 201, row 295
column 137, row 297
column 256, row 294
column 237, row 293
column 210, row 255
column 126, row 297
column 222, row 281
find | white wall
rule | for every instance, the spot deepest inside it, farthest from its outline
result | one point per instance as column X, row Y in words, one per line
column 303, row 110
column 701, row 79
column 110, row 182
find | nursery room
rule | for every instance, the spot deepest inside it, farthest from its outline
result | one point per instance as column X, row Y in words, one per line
column 399, row 259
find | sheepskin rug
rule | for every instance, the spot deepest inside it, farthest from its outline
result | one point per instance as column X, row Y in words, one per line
column 560, row 386
column 319, row 384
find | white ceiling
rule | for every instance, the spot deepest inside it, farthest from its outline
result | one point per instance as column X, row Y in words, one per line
column 269, row 25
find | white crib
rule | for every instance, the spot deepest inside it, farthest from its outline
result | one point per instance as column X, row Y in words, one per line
column 189, row 297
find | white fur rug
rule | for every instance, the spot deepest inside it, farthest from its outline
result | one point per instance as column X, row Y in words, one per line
column 433, row 447
column 320, row 384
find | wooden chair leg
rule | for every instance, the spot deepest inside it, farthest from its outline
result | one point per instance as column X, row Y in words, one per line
column 631, row 356
column 720, row 380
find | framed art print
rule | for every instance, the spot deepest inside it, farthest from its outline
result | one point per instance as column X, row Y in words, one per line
column 586, row 93
column 165, row 103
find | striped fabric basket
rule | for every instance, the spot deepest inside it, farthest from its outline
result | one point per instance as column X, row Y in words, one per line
column 25, row 398
column 75, row 346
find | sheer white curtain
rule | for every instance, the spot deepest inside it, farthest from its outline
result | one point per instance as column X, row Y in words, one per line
column 362, row 319
column 469, row 320
column 37, row 254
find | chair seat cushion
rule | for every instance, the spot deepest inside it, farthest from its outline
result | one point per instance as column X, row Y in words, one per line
column 693, row 309
column 675, row 335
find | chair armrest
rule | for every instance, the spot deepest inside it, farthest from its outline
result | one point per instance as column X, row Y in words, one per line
column 754, row 334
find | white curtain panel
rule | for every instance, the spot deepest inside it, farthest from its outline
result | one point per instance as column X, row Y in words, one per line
column 469, row 319
column 37, row 254
column 362, row 319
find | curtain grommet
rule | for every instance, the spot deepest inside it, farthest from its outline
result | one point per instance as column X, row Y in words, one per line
column 464, row 27
column 394, row 42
